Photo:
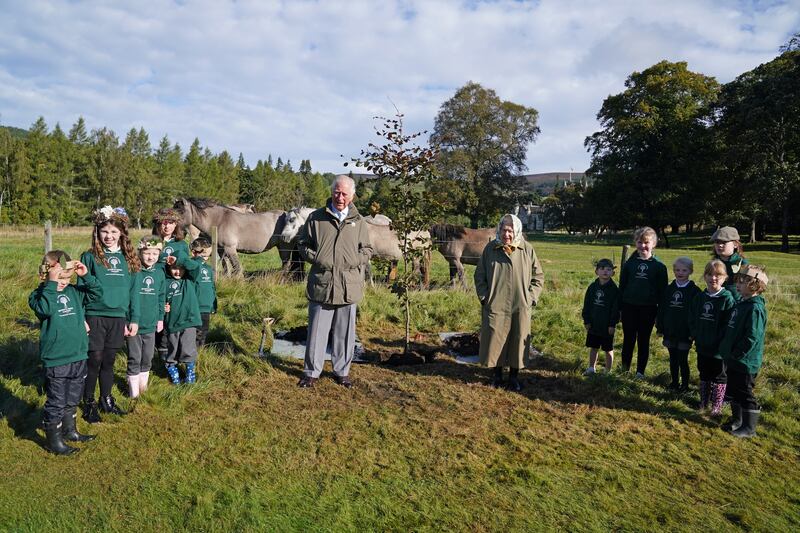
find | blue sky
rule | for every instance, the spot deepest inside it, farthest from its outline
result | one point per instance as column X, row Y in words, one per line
column 303, row 79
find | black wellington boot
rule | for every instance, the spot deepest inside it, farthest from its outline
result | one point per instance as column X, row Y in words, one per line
column 69, row 428
column 749, row 423
column 108, row 405
column 90, row 412
column 497, row 378
column 513, row 380
column 733, row 423
column 55, row 442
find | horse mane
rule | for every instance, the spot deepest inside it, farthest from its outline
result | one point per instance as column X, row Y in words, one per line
column 203, row 203
column 447, row 232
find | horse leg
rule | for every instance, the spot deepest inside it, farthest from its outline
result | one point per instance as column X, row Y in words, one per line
column 368, row 274
column 392, row 273
column 236, row 266
column 460, row 269
column 453, row 271
column 426, row 269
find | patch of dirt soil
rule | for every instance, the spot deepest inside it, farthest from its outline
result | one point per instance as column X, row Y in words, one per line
column 464, row 344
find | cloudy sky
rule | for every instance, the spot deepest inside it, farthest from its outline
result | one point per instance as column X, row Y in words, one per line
column 303, row 79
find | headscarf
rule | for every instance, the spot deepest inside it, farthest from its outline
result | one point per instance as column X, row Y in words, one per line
column 518, row 236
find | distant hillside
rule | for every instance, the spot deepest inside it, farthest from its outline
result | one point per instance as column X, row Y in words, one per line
column 16, row 133
column 545, row 182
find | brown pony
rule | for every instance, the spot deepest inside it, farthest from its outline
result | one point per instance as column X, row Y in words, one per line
column 460, row 245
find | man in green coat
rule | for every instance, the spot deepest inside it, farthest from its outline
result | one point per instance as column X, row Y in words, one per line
column 508, row 280
column 335, row 241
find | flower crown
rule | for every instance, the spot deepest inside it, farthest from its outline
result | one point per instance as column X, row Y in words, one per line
column 110, row 214
column 169, row 214
column 150, row 242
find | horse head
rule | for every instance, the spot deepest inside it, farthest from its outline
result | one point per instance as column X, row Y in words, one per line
column 184, row 207
column 295, row 219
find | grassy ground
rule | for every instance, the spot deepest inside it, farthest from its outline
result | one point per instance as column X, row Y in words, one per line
column 427, row 447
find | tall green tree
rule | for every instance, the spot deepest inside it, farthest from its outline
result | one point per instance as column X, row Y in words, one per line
column 483, row 143
column 759, row 119
column 647, row 149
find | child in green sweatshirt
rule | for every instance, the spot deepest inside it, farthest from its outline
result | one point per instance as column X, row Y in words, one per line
column 641, row 283
column 673, row 321
column 206, row 289
column 63, row 342
column 183, row 317
column 148, row 296
column 113, row 261
column 708, row 316
column 600, row 314
column 742, row 348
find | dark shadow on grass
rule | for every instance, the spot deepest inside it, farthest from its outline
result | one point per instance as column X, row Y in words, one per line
column 19, row 358
column 22, row 417
column 550, row 380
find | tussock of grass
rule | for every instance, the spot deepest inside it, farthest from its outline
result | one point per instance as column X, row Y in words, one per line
column 427, row 447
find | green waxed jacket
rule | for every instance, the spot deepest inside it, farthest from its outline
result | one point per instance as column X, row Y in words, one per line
column 643, row 281
column 708, row 316
column 338, row 252
column 63, row 338
column 742, row 347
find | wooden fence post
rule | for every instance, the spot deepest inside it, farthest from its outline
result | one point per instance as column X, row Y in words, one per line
column 214, row 252
column 48, row 236
column 625, row 249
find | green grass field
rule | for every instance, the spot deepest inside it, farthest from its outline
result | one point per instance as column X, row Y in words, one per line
column 410, row 448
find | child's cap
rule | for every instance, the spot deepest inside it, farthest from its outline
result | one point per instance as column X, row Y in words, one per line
column 151, row 241
column 167, row 214
column 604, row 263
column 60, row 257
column 725, row 234
column 755, row 272
column 110, row 214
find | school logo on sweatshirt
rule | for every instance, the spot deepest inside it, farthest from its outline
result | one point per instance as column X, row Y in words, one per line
column 598, row 298
column 147, row 287
column 174, row 288
column 708, row 311
column 169, row 251
column 114, row 266
column 204, row 275
column 677, row 299
column 732, row 320
column 641, row 271
column 67, row 310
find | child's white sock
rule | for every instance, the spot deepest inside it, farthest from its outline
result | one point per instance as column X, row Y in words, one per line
column 143, row 377
column 133, row 385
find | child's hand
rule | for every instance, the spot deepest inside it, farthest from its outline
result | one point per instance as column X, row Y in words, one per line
column 86, row 325
column 586, row 327
column 166, row 307
column 131, row 330
column 171, row 260
column 80, row 269
column 160, row 326
column 611, row 331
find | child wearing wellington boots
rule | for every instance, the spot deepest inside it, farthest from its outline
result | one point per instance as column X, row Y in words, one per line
column 642, row 283
column 113, row 261
column 63, row 343
column 183, row 318
column 708, row 316
column 742, row 348
column 600, row 315
column 673, row 322
column 167, row 225
column 148, row 296
column 206, row 290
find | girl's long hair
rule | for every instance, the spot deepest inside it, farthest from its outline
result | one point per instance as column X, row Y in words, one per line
column 178, row 235
column 132, row 258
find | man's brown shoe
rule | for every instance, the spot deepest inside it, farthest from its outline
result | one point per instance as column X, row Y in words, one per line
column 344, row 381
column 306, row 382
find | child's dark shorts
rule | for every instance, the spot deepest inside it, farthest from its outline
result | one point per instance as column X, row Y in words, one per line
column 598, row 341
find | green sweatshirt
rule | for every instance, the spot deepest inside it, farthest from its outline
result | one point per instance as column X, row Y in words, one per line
column 742, row 347
column 601, row 307
column 642, row 282
column 732, row 265
column 184, row 309
column 148, row 294
column 206, row 290
column 708, row 316
column 63, row 338
column 672, row 320
column 116, row 283
column 179, row 249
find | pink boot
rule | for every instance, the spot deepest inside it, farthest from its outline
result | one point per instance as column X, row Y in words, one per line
column 717, row 397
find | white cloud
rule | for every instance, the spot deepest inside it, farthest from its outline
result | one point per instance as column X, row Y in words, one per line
column 303, row 79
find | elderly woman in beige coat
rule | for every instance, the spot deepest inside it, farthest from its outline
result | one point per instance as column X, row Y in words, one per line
column 508, row 280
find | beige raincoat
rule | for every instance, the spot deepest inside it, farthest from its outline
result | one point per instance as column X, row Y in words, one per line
column 508, row 286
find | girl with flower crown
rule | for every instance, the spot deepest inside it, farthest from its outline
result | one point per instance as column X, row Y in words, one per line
column 113, row 261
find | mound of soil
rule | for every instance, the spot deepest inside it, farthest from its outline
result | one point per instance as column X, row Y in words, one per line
column 298, row 334
column 464, row 344
column 417, row 355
